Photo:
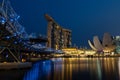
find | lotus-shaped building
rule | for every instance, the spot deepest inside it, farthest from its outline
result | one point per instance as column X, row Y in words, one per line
column 106, row 45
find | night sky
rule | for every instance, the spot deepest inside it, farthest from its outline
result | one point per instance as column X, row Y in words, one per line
column 86, row 18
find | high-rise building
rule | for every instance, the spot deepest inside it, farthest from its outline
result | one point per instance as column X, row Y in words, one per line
column 58, row 37
column 117, row 43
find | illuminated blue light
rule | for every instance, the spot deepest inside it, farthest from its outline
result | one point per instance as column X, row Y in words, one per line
column 7, row 37
column 33, row 74
column 38, row 70
column 15, row 42
column 11, row 20
column 14, row 34
column 17, row 17
column 14, row 17
column 2, row 20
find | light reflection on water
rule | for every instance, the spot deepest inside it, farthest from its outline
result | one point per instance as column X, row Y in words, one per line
column 75, row 69
column 40, row 69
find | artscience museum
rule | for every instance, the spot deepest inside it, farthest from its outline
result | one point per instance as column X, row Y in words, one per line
column 106, row 45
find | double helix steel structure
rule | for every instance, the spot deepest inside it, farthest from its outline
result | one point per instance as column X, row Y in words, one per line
column 13, row 37
column 9, row 18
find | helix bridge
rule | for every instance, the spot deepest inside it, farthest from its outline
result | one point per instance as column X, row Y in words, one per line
column 14, row 40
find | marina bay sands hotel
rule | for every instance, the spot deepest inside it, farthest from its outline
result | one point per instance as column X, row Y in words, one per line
column 58, row 37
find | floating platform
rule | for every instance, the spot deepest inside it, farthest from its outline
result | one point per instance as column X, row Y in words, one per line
column 15, row 65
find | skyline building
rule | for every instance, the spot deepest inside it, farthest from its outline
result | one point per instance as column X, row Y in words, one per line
column 58, row 37
column 117, row 42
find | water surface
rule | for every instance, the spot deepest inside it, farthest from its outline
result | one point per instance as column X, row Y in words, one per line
column 75, row 69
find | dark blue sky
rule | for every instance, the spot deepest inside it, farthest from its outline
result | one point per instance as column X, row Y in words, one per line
column 85, row 18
